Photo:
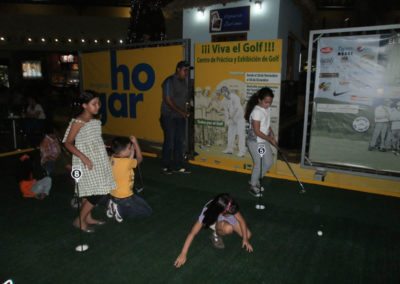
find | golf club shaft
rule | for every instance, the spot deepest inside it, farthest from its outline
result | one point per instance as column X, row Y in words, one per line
column 290, row 168
column 140, row 176
column 261, row 177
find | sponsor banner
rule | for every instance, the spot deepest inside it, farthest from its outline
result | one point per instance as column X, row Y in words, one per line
column 129, row 82
column 339, row 108
column 230, row 19
column 357, row 103
column 226, row 76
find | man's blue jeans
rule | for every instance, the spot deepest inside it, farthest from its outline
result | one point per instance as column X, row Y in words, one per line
column 174, row 141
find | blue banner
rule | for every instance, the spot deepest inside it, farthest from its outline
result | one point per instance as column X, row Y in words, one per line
column 230, row 20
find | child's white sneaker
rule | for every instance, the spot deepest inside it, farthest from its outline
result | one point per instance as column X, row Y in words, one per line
column 255, row 191
column 257, row 186
column 117, row 216
column 217, row 241
column 110, row 212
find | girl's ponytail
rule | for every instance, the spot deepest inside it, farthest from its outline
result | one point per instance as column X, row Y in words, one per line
column 255, row 98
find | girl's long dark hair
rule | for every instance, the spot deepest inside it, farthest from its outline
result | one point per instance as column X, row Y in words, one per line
column 255, row 98
column 83, row 98
column 222, row 203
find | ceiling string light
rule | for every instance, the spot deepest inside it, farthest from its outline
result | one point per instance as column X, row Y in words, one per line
column 4, row 39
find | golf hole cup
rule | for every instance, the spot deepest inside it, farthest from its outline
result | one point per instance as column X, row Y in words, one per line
column 76, row 173
column 82, row 248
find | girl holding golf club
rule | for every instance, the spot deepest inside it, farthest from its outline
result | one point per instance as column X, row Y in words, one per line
column 83, row 139
column 260, row 135
column 221, row 214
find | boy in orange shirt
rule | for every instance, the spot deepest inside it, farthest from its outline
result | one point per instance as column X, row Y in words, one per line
column 124, row 203
column 29, row 186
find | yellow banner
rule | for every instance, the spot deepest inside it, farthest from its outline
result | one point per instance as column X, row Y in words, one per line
column 241, row 67
column 129, row 82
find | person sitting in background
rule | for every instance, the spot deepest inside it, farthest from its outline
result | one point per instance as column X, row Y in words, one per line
column 34, row 109
column 29, row 186
column 49, row 151
column 124, row 203
column 34, row 121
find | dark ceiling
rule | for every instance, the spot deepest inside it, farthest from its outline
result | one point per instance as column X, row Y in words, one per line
column 118, row 3
column 319, row 4
column 361, row 12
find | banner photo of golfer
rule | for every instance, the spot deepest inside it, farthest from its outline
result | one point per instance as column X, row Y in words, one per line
column 356, row 111
column 129, row 83
column 226, row 75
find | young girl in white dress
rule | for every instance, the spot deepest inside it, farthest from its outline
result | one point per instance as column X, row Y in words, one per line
column 83, row 139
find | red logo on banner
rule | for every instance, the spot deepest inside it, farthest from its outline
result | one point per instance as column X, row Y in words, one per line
column 326, row 49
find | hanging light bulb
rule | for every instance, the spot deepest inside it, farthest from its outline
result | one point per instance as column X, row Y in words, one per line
column 200, row 11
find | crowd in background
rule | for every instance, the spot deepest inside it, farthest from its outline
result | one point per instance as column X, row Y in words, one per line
column 32, row 110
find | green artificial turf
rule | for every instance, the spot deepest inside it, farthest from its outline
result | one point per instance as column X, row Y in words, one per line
column 360, row 242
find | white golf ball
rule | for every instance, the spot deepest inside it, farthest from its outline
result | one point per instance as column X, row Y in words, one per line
column 320, row 233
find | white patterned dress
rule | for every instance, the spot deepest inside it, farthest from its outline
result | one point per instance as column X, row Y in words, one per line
column 99, row 180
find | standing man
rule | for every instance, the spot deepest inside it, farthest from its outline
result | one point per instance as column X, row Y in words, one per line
column 234, row 119
column 382, row 127
column 174, row 114
column 395, row 127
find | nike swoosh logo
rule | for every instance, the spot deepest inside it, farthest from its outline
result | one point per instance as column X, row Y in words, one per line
column 338, row 94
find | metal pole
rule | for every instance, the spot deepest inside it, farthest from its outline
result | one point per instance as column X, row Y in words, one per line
column 261, row 150
column 14, row 133
column 76, row 174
